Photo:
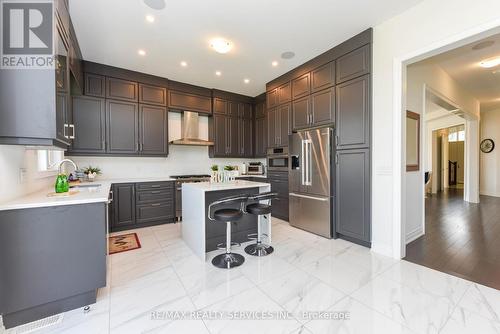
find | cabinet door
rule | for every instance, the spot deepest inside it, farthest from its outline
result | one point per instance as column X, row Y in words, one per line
column 301, row 113
column 353, row 64
column 189, row 102
column 95, row 85
column 121, row 89
column 219, row 136
column 153, row 130
column 232, row 108
column 123, row 205
column 271, row 128
column 272, row 98
column 62, row 88
column 323, row 107
column 353, row 113
column 220, row 106
column 152, row 95
column 284, row 93
column 301, row 86
column 122, row 123
column 89, row 118
column 260, row 137
column 323, row 77
column 246, row 137
column 233, row 138
column 260, row 110
column 284, row 127
column 353, row 194
column 245, row 110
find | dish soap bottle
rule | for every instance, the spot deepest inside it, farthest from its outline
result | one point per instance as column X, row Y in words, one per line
column 62, row 184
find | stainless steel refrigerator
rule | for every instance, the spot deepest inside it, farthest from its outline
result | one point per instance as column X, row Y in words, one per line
column 310, row 181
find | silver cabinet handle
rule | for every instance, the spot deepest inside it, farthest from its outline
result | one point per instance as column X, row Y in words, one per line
column 111, row 196
column 322, row 199
column 303, row 162
column 156, row 192
column 72, row 127
column 156, row 204
column 64, row 132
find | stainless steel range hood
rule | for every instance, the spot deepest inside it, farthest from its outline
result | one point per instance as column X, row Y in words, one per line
column 190, row 131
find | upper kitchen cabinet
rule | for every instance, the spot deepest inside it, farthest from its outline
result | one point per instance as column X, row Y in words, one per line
column 301, row 113
column 323, row 77
column 152, row 95
column 284, row 93
column 122, row 125
column 301, row 86
column 323, row 107
column 354, row 64
column 220, row 106
column 189, row 102
column 245, row 110
column 233, row 108
column 260, row 128
column 75, row 62
column 119, row 89
column 218, row 133
column 260, row 109
column 153, row 130
column 272, row 135
column 284, row 124
column 89, row 117
column 272, row 98
column 246, row 137
column 353, row 113
column 95, row 85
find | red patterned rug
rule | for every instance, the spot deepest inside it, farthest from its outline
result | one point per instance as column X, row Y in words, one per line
column 123, row 243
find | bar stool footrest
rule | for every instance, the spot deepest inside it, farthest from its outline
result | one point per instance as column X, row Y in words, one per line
column 222, row 245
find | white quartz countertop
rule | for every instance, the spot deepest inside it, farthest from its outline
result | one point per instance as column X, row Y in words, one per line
column 250, row 175
column 238, row 184
column 85, row 195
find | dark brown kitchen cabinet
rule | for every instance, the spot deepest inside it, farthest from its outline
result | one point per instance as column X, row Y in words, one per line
column 279, row 184
column 120, row 89
column 301, row 113
column 232, row 137
column 260, row 110
column 353, row 195
column 284, row 93
column 245, row 110
column 152, row 95
column 232, row 108
column 183, row 101
column 122, row 125
column 95, row 85
column 352, row 121
column 123, row 206
column 272, row 98
column 246, row 137
column 323, row 107
column 354, row 64
column 220, row 106
column 89, row 118
column 284, row 124
column 218, row 135
column 153, row 131
column 271, row 128
column 260, row 137
column 323, row 77
column 301, row 86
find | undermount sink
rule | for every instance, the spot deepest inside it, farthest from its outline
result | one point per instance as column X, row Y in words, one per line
column 90, row 186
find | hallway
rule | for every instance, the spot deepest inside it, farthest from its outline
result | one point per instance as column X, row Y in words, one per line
column 461, row 238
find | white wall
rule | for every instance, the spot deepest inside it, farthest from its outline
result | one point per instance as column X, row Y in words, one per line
column 490, row 162
column 12, row 158
column 429, row 25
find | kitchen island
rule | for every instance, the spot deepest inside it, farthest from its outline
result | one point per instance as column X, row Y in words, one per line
column 200, row 233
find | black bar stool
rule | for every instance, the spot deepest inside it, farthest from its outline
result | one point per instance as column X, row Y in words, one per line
column 228, row 215
column 260, row 209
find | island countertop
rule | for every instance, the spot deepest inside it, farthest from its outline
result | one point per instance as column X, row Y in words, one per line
column 238, row 184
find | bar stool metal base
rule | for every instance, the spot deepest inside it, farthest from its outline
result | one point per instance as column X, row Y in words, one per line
column 259, row 249
column 228, row 260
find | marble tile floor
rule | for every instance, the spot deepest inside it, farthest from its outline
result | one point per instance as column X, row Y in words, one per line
column 306, row 276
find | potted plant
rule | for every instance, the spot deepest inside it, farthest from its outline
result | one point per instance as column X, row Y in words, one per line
column 230, row 172
column 91, row 172
column 215, row 172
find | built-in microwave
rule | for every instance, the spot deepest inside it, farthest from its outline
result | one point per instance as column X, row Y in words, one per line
column 277, row 158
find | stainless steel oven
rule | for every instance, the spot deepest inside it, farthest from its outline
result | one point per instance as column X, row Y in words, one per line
column 277, row 159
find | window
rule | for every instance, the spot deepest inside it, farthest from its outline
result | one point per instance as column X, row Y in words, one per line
column 48, row 160
column 456, row 134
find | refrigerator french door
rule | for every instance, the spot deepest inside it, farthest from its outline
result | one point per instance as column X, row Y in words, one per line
column 310, row 181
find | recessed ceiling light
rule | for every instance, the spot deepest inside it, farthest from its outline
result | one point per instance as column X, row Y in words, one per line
column 288, row 55
column 184, row 64
column 246, row 81
column 489, row 63
column 218, row 73
column 150, row 18
column 274, row 63
column 220, row 45
column 483, row 45
column 155, row 4
column 141, row 52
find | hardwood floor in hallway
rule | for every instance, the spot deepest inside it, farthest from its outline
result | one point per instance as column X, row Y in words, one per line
column 461, row 238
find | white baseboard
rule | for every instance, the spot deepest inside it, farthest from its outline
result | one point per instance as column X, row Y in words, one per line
column 489, row 193
column 413, row 235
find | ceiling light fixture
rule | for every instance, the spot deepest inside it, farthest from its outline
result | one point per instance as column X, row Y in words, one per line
column 288, row 55
column 155, row 4
column 150, row 18
column 220, row 45
column 246, row 81
column 218, row 73
column 274, row 63
column 184, row 64
column 141, row 52
column 489, row 63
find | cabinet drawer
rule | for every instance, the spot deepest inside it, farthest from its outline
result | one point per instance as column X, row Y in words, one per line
column 158, row 195
column 152, row 95
column 155, row 211
column 154, row 185
column 121, row 89
column 353, row 64
column 277, row 175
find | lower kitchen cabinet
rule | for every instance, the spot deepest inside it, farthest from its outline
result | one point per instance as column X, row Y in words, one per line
column 352, row 195
column 279, row 184
column 142, row 204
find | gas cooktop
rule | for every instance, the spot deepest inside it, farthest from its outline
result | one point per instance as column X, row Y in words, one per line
column 193, row 176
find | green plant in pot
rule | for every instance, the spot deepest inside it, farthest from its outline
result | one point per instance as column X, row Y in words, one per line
column 214, row 168
column 91, row 172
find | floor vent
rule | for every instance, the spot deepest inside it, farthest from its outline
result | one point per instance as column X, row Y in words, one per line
column 37, row 325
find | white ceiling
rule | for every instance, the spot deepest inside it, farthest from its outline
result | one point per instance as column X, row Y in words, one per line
column 112, row 31
column 462, row 64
